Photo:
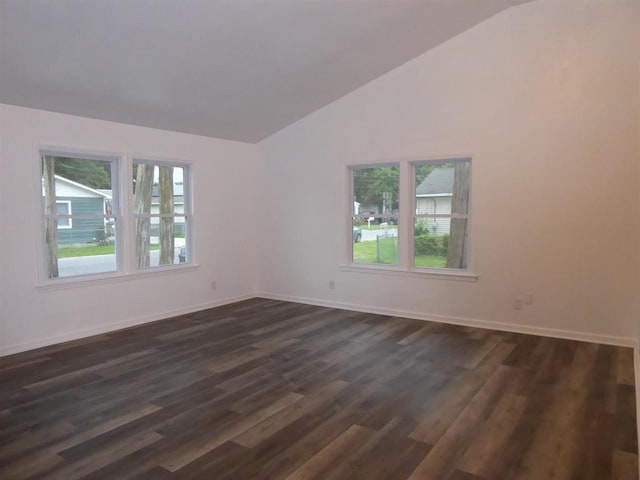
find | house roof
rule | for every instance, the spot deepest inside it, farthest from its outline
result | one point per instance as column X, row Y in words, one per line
column 96, row 193
column 438, row 182
column 239, row 70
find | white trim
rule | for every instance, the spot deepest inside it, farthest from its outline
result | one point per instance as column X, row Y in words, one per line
column 76, row 281
column 467, row 322
column 407, row 216
column 429, row 195
column 123, row 215
column 112, row 327
column 415, row 272
column 116, row 161
column 187, row 207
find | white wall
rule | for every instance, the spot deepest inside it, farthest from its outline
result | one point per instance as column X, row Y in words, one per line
column 545, row 97
column 224, row 232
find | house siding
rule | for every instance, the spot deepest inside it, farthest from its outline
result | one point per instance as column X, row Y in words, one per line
column 439, row 206
column 84, row 230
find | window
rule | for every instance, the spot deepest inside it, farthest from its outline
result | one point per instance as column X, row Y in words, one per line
column 440, row 222
column 428, row 232
column 78, row 221
column 87, row 223
column 161, row 213
column 63, row 208
column 375, row 214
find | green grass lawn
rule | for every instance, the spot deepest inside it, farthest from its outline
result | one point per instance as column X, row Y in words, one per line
column 69, row 252
column 383, row 251
column 431, row 261
column 387, row 253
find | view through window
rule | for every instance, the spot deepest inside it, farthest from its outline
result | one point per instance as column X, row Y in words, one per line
column 440, row 202
column 375, row 214
column 161, row 214
column 80, row 222
column 82, row 213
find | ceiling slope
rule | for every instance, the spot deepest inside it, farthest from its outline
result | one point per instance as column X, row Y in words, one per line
column 234, row 69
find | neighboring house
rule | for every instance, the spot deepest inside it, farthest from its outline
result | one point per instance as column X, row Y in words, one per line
column 73, row 198
column 433, row 197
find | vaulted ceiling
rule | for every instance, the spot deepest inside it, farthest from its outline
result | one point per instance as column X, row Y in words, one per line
column 234, row 69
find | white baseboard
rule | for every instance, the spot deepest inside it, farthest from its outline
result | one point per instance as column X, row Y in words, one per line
column 110, row 327
column 467, row 322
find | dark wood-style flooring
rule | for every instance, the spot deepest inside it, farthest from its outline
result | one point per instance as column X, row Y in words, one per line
column 266, row 389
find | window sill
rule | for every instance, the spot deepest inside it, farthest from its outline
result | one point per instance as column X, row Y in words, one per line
column 441, row 274
column 107, row 278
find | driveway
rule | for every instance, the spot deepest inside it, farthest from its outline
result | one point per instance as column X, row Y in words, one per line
column 370, row 235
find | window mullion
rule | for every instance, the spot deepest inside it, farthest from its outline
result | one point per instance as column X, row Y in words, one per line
column 405, row 229
column 127, row 235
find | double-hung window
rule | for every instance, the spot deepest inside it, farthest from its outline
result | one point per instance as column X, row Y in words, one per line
column 81, row 214
column 161, row 213
column 89, row 224
column 411, row 215
column 376, row 204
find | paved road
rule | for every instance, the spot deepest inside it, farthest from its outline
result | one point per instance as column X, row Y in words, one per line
column 68, row 267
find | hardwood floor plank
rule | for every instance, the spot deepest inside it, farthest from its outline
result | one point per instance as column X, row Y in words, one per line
column 625, row 366
column 486, row 448
column 318, row 465
column 449, row 448
column 625, row 465
column 267, row 389
column 205, row 443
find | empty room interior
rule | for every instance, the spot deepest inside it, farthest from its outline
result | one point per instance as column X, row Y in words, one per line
column 319, row 239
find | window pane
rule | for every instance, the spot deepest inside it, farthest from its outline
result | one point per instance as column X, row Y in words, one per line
column 63, row 208
column 375, row 194
column 75, row 255
column 160, row 241
column 158, row 188
column 440, row 242
column 159, row 208
column 83, row 187
column 375, row 215
column 77, row 178
column 374, row 244
column 442, row 189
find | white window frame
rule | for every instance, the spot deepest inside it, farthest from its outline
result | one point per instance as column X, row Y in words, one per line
column 406, row 213
column 65, row 216
column 350, row 215
column 122, row 213
column 187, row 210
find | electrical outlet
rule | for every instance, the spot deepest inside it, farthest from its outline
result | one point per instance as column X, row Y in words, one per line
column 528, row 299
column 332, row 284
column 517, row 303
column 214, row 285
